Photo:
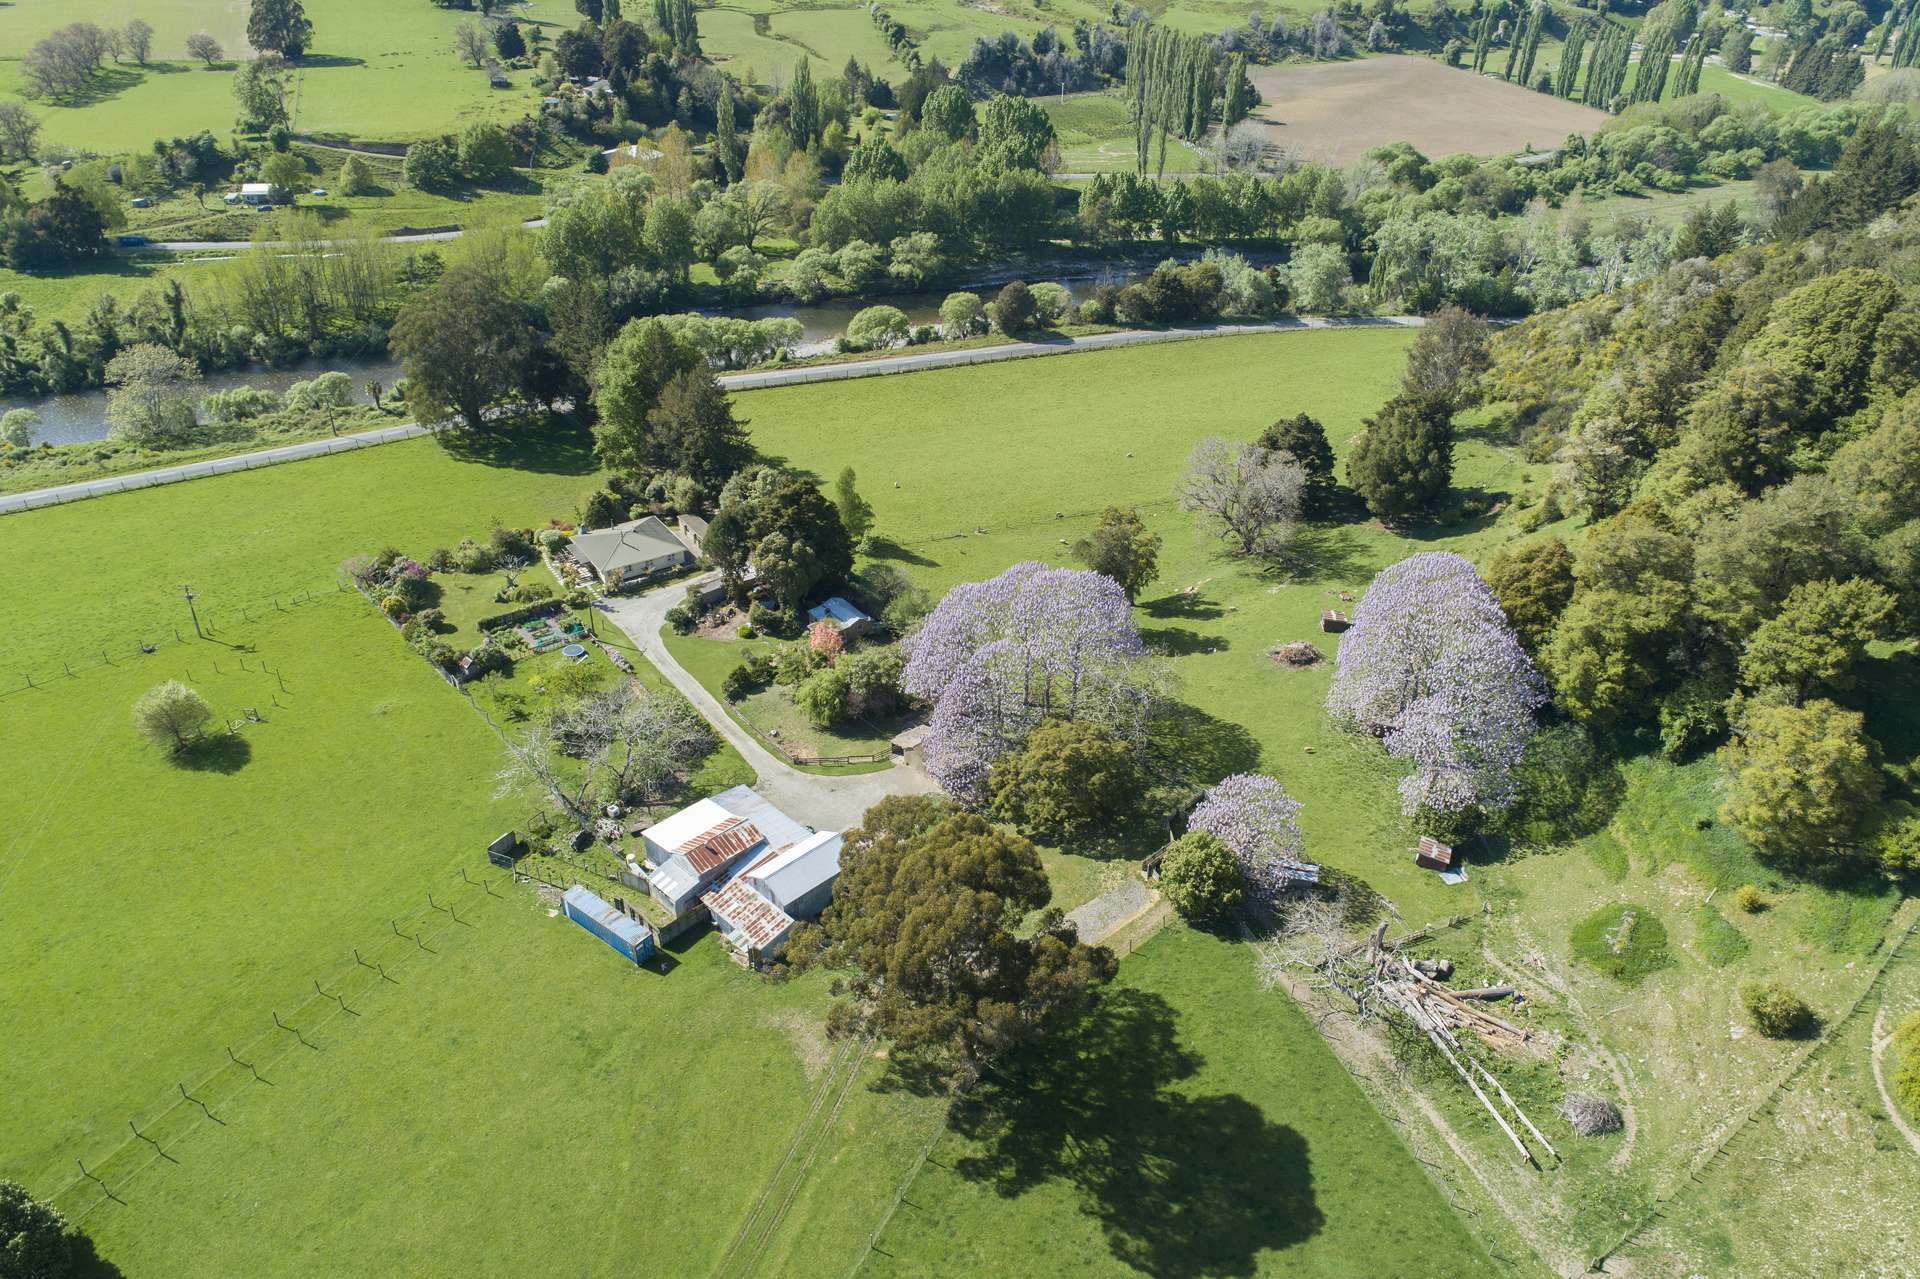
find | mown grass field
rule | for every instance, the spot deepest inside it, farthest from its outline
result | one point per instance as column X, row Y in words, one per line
column 1096, row 135
column 514, row 1084
column 376, row 71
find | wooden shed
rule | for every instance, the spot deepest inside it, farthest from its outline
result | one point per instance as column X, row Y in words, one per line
column 1433, row 855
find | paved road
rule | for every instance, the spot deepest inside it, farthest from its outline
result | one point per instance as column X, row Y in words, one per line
column 878, row 366
column 906, row 363
column 822, row 802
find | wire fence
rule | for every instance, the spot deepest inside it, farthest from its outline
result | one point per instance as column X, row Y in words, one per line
column 1788, row 1078
column 379, row 962
column 223, row 619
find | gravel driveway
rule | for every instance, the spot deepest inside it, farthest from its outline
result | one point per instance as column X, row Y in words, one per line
column 822, row 802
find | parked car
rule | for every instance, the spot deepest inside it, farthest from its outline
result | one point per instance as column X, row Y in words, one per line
column 141, row 202
column 131, row 241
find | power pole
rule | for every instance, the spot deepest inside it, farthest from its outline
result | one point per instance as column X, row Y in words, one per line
column 187, row 591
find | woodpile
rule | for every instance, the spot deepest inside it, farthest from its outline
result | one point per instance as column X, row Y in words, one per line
column 1590, row 1115
column 1298, row 655
column 1441, row 1015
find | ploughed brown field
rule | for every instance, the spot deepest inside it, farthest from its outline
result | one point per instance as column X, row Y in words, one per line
column 1334, row 112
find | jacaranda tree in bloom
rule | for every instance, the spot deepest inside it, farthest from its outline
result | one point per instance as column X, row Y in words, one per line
column 997, row 657
column 1433, row 669
column 1253, row 815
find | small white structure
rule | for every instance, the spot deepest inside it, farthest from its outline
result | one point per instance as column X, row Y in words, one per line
column 756, row 910
column 703, row 843
column 251, row 193
column 628, row 552
column 841, row 612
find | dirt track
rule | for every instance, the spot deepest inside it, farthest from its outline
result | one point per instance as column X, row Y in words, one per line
column 1334, row 112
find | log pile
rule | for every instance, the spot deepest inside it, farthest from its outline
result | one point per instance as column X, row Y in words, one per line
column 1441, row 1015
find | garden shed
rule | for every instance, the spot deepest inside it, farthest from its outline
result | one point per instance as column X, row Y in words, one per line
column 840, row 611
column 629, row 936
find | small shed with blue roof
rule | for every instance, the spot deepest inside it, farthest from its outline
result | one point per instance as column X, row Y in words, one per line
column 629, row 936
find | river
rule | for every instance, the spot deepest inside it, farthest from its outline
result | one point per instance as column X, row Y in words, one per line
column 80, row 416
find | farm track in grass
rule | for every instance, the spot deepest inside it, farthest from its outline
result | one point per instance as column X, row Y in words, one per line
column 749, row 1245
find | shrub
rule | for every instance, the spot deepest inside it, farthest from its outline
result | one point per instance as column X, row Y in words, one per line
column 824, row 638
column 330, row 390
column 680, row 620
column 1049, row 303
column 1775, row 1011
column 1899, row 847
column 739, row 682
column 1906, row 1064
column 553, row 539
column 1070, row 776
column 1750, row 899
column 1201, row 877
column 471, row 557
column 525, row 593
column 241, row 404
column 393, row 606
column 822, row 697
column 962, row 315
column 35, row 1241
column 441, row 561
column 765, row 620
column 745, row 632
column 1623, row 941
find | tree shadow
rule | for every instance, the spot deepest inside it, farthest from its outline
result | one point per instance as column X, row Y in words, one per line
column 1183, row 1187
column 1193, row 607
column 1187, row 742
column 1451, row 522
column 885, row 548
column 102, row 86
column 550, row 446
column 1178, row 641
column 1321, row 553
column 85, row 1261
column 222, row 753
column 323, row 61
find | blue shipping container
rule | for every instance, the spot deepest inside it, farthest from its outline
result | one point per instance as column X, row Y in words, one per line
column 630, row 937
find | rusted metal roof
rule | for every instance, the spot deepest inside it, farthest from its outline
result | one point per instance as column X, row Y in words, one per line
column 718, row 845
column 758, row 921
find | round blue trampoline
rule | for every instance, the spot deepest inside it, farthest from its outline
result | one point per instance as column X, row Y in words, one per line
column 574, row 651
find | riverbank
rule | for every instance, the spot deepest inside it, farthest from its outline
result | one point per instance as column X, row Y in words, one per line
column 214, row 461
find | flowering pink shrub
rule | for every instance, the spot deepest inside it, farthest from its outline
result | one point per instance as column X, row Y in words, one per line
column 997, row 657
column 1433, row 669
column 824, row 638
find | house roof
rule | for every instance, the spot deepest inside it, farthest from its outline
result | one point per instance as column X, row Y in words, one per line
column 840, row 610
column 627, row 545
column 758, row 921
column 720, row 844
column 785, row 875
column 778, row 829
column 256, row 188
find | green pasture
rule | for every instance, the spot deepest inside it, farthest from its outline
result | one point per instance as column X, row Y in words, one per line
column 376, row 71
column 971, row 470
column 1096, row 135
column 508, row 1087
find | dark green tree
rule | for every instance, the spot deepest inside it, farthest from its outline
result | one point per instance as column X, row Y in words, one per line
column 1403, row 460
column 34, row 1240
column 638, row 364
column 1200, row 876
column 1121, row 547
column 929, row 932
column 460, row 343
column 691, row 430
column 1305, row 440
column 1534, row 584
column 279, row 26
column 1071, row 777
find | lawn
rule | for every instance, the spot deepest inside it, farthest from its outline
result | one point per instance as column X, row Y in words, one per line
column 771, row 710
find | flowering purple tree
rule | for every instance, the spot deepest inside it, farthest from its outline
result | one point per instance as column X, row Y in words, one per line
column 1433, row 669
column 1253, row 815
column 997, row 657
